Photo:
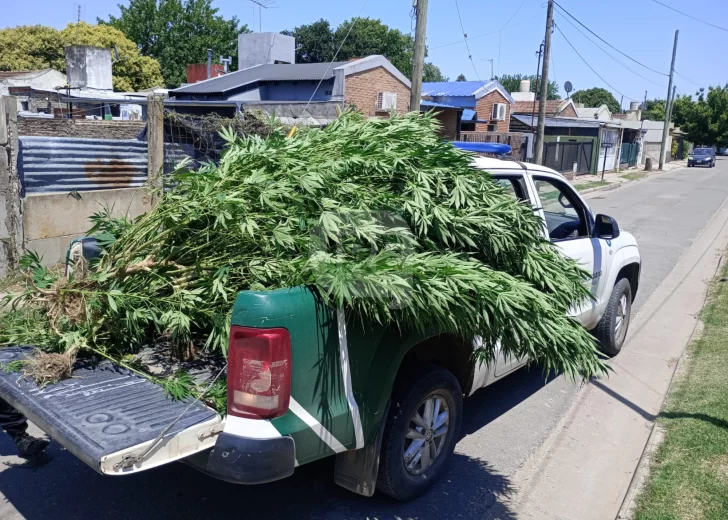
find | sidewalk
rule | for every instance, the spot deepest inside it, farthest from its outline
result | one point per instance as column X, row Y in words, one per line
column 583, row 471
column 588, row 183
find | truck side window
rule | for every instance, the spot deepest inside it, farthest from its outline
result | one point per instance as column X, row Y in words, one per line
column 565, row 215
column 514, row 186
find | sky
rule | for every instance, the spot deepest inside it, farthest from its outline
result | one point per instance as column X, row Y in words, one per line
column 507, row 31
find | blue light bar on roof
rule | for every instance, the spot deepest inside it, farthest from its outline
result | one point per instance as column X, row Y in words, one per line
column 494, row 148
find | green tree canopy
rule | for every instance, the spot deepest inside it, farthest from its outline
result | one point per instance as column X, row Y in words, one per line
column 461, row 77
column 654, row 110
column 178, row 32
column 38, row 47
column 512, row 83
column 705, row 120
column 596, row 97
column 432, row 72
column 317, row 42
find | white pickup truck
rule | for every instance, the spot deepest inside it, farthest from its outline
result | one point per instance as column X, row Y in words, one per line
column 386, row 403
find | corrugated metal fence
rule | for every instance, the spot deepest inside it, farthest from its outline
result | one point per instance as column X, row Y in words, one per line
column 59, row 164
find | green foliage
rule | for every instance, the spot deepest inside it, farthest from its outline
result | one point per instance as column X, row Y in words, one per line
column 432, row 73
column 12, row 366
column 596, row 97
column 379, row 216
column 706, row 119
column 317, row 42
column 178, row 32
column 512, row 83
column 461, row 77
column 37, row 47
column 655, row 110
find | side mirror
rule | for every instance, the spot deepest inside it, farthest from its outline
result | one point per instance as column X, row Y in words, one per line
column 605, row 227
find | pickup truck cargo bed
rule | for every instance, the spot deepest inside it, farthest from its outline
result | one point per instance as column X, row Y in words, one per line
column 106, row 413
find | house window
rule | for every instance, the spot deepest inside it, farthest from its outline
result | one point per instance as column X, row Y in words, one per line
column 24, row 105
column 491, row 128
column 328, row 92
column 467, row 127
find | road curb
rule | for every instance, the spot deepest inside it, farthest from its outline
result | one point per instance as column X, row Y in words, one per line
column 620, row 183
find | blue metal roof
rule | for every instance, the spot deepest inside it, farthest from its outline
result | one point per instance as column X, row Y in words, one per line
column 432, row 104
column 494, row 148
column 468, row 114
column 452, row 88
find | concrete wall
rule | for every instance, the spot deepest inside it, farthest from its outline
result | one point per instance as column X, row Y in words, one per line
column 262, row 48
column 52, row 220
column 89, row 67
column 85, row 128
column 652, row 150
column 361, row 89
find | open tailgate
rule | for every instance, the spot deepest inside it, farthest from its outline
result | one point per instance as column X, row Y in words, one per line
column 107, row 416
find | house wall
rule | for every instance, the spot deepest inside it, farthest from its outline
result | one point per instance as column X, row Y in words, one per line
column 449, row 121
column 484, row 109
column 568, row 112
column 361, row 90
column 299, row 91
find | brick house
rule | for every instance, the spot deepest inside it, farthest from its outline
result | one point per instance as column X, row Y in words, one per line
column 372, row 84
column 487, row 104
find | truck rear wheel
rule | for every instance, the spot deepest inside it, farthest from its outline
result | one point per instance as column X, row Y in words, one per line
column 612, row 329
column 422, row 429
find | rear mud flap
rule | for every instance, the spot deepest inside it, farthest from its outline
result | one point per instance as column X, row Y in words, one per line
column 108, row 416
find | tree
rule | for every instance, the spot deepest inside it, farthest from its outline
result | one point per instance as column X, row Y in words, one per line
column 706, row 120
column 317, row 42
column 461, row 77
column 596, row 97
column 433, row 73
column 178, row 32
column 512, row 83
column 37, row 47
column 654, row 110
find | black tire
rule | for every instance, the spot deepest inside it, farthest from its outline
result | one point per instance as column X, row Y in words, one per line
column 409, row 395
column 610, row 339
column 690, row 165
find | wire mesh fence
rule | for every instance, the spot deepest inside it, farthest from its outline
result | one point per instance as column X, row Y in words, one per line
column 197, row 137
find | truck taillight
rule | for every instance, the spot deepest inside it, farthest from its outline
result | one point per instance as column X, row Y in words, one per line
column 259, row 372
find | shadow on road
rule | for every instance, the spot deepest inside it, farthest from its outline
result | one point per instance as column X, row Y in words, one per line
column 66, row 488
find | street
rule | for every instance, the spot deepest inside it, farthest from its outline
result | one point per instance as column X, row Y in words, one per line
column 503, row 425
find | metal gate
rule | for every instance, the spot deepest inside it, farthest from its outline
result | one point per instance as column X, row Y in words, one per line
column 561, row 156
column 628, row 154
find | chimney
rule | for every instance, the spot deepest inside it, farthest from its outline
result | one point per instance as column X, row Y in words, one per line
column 265, row 48
column 525, row 86
column 89, row 67
column 209, row 63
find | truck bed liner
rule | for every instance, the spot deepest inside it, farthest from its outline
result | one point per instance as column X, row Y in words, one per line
column 101, row 410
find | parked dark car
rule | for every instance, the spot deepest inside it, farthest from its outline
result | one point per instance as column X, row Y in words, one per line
column 702, row 157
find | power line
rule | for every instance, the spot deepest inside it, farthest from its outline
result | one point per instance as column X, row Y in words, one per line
column 465, row 35
column 688, row 79
column 526, row 20
column 691, row 16
column 606, row 42
column 592, row 69
column 615, row 59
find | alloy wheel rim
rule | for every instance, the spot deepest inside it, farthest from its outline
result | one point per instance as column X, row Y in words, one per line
column 622, row 320
column 427, row 432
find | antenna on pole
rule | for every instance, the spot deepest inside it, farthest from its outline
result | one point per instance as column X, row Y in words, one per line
column 262, row 4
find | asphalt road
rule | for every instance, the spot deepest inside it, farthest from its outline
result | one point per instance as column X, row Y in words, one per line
column 504, row 424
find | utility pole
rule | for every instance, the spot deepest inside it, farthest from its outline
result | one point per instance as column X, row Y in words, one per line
column 418, row 62
column 535, row 85
column 538, row 152
column 668, row 107
column 668, row 114
column 492, row 77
